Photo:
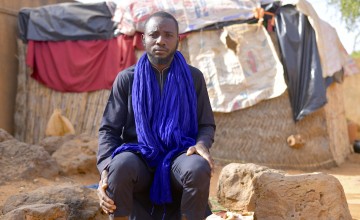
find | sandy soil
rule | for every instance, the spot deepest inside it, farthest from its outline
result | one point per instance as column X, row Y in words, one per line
column 349, row 177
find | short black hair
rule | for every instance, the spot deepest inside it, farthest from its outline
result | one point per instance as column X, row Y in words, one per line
column 163, row 14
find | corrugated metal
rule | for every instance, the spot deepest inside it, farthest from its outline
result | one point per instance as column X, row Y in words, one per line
column 8, row 56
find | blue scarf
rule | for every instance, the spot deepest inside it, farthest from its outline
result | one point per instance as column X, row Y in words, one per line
column 166, row 123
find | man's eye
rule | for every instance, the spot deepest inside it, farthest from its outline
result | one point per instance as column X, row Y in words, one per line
column 154, row 35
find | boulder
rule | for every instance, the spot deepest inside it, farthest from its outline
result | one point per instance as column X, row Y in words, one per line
column 4, row 136
column 272, row 194
column 81, row 202
column 39, row 211
column 236, row 185
column 77, row 155
column 21, row 161
column 53, row 143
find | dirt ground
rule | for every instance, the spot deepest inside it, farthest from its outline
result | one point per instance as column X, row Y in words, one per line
column 347, row 173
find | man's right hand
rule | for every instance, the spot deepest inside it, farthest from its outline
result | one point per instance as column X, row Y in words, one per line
column 105, row 202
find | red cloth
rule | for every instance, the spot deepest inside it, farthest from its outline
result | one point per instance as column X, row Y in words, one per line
column 80, row 66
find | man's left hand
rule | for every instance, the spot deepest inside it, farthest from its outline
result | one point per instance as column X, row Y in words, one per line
column 202, row 151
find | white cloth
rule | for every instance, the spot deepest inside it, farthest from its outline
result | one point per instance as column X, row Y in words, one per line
column 191, row 15
column 240, row 66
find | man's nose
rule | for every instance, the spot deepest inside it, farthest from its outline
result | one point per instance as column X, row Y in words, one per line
column 160, row 40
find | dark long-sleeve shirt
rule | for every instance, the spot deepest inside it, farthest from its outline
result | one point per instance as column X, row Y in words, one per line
column 118, row 123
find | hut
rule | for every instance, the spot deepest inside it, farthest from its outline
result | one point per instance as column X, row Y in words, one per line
column 8, row 59
column 257, row 133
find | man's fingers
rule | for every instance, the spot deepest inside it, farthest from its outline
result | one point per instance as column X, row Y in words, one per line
column 209, row 159
column 104, row 175
column 104, row 185
column 107, row 204
column 106, row 207
column 204, row 152
column 190, row 151
column 102, row 195
column 206, row 155
column 105, row 178
column 107, row 200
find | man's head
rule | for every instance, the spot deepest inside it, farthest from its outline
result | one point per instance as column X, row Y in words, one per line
column 161, row 38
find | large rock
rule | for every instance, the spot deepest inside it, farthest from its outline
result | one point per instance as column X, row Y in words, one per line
column 39, row 211
column 236, row 185
column 275, row 195
column 19, row 160
column 4, row 136
column 53, row 143
column 77, row 155
column 81, row 202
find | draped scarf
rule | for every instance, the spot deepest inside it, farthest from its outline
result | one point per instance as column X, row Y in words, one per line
column 166, row 122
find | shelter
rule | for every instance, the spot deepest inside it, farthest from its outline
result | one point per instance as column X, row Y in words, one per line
column 8, row 56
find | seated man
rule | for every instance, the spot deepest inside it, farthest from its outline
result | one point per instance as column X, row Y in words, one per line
column 155, row 134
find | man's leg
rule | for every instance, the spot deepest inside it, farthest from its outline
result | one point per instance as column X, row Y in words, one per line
column 128, row 174
column 192, row 174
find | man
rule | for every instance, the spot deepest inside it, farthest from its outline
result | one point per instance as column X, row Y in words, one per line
column 155, row 134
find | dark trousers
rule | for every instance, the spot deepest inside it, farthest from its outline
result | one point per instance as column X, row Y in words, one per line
column 130, row 179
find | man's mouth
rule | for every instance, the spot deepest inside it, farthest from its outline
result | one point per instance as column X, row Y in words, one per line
column 160, row 51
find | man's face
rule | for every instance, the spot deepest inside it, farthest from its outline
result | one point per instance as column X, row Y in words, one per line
column 160, row 40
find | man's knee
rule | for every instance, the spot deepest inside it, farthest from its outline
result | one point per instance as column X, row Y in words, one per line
column 126, row 165
column 198, row 173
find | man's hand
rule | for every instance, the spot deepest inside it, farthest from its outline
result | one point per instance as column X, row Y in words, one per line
column 105, row 202
column 202, row 151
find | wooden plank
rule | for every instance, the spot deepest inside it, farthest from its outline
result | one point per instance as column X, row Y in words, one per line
column 21, row 97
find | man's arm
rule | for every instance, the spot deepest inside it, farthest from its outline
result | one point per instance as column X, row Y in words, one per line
column 113, row 121
column 206, row 122
column 110, row 134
